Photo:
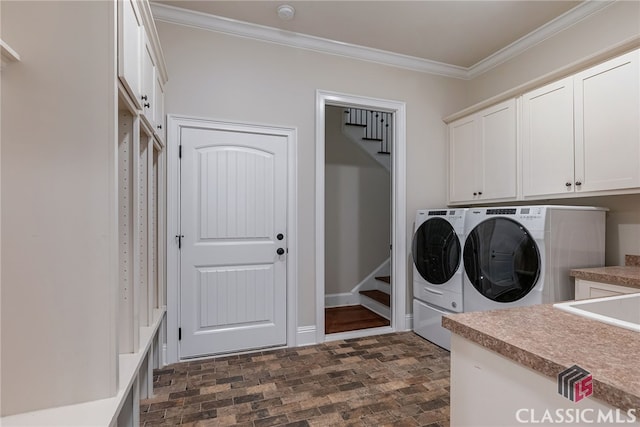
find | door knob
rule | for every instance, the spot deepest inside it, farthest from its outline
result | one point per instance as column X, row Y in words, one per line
column 280, row 251
column 280, row 236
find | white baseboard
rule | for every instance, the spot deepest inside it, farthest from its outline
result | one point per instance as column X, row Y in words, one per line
column 408, row 322
column 340, row 300
column 377, row 308
column 306, row 335
column 353, row 297
column 370, row 281
column 163, row 362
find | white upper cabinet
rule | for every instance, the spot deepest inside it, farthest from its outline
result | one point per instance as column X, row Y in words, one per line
column 148, row 82
column 482, row 161
column 159, row 107
column 547, row 139
column 462, row 159
column 141, row 68
column 130, row 31
column 607, row 125
column 582, row 134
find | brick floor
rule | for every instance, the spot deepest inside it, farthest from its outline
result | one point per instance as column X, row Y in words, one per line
column 386, row 380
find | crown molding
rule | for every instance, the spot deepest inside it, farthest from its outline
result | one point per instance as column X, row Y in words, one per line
column 205, row 21
column 562, row 22
column 176, row 15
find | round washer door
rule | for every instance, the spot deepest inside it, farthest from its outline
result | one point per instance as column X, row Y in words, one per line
column 501, row 259
column 436, row 251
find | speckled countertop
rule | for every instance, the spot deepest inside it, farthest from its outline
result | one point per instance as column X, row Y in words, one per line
column 627, row 275
column 548, row 340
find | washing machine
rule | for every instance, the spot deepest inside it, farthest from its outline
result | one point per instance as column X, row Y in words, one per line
column 437, row 271
column 518, row 256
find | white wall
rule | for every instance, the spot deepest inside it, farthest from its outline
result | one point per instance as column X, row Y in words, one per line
column 226, row 77
column 59, row 232
column 357, row 209
column 623, row 224
column 616, row 23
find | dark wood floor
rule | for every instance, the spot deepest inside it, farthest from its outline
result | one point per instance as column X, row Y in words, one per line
column 351, row 318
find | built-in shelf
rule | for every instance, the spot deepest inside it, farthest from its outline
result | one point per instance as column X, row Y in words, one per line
column 8, row 54
column 103, row 412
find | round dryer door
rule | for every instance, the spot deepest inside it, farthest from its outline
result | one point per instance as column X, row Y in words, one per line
column 436, row 251
column 501, row 259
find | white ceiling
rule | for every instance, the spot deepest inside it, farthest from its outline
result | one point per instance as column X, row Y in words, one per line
column 458, row 33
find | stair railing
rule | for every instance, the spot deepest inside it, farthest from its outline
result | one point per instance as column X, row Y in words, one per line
column 377, row 126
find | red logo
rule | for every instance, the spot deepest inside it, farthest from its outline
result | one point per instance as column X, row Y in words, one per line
column 575, row 383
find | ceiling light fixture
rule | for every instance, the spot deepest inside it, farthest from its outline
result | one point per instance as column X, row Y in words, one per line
column 286, row 12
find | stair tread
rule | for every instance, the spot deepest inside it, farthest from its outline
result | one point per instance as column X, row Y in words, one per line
column 379, row 296
column 386, row 279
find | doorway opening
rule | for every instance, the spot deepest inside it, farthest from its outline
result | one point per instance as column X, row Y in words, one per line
column 358, row 153
column 360, row 216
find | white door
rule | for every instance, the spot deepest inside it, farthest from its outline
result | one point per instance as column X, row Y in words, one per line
column 233, row 188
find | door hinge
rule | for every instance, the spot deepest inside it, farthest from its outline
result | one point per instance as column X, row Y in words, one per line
column 179, row 334
column 180, row 151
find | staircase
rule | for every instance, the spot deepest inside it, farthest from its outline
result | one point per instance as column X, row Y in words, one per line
column 378, row 300
column 372, row 131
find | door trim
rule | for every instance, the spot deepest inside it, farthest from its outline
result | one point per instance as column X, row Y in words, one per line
column 398, row 208
column 174, row 125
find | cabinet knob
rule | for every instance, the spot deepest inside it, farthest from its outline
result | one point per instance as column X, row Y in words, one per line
column 578, row 183
column 144, row 97
column 147, row 105
column 568, row 184
column 475, row 194
column 280, row 251
column 159, row 126
column 479, row 193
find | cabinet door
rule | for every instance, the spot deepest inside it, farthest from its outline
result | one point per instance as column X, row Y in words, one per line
column 463, row 160
column 148, row 82
column 497, row 162
column 587, row 289
column 158, row 97
column 547, row 139
column 130, row 32
column 607, row 119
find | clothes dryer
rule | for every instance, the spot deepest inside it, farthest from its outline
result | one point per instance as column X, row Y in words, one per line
column 518, row 256
column 437, row 271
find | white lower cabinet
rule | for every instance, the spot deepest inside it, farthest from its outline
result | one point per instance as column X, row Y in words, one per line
column 586, row 289
column 482, row 155
column 488, row 389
